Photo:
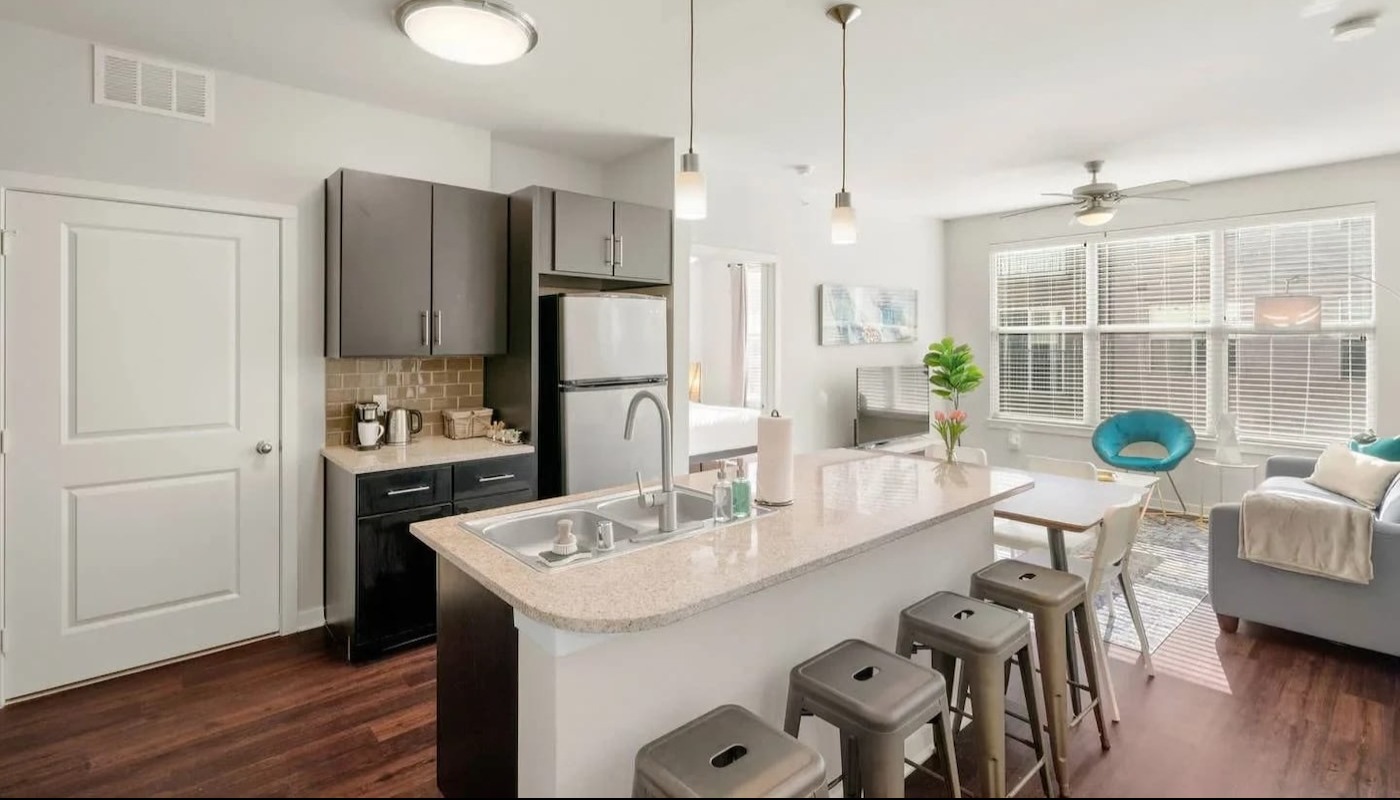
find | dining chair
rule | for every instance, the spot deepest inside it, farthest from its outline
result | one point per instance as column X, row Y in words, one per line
column 1015, row 535
column 1117, row 533
column 975, row 456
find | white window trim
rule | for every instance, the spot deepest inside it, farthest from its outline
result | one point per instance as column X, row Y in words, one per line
column 1217, row 331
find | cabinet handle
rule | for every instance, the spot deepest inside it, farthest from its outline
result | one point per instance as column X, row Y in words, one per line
column 410, row 490
column 424, row 317
column 491, row 478
column 608, row 251
column 618, row 262
column 437, row 328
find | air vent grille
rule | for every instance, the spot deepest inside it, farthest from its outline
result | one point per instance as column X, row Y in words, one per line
column 146, row 84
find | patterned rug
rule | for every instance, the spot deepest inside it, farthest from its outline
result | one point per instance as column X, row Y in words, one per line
column 1169, row 570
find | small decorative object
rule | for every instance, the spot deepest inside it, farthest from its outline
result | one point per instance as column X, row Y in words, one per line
column 1227, row 446
column 868, row 315
column 952, row 373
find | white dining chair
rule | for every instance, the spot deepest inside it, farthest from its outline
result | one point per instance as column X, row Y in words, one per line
column 1015, row 535
column 975, row 456
column 1115, row 545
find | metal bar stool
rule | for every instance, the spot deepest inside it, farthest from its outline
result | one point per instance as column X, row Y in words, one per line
column 987, row 640
column 728, row 752
column 1050, row 596
column 876, row 700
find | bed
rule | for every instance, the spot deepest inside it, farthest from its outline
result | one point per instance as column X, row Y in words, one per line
column 720, row 432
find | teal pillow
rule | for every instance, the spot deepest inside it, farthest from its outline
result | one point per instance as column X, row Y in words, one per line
column 1388, row 449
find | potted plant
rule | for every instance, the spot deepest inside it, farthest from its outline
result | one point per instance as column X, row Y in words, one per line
column 952, row 373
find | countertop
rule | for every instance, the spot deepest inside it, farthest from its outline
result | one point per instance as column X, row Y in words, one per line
column 423, row 452
column 847, row 502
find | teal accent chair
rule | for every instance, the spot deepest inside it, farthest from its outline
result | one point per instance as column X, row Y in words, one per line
column 1145, row 425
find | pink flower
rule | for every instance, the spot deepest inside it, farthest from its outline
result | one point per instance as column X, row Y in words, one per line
column 958, row 415
column 939, row 416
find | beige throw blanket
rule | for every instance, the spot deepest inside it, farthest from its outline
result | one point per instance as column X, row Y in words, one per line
column 1307, row 535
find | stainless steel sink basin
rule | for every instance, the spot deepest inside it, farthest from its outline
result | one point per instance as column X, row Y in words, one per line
column 533, row 534
column 692, row 509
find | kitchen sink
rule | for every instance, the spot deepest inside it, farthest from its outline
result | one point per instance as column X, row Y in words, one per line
column 528, row 534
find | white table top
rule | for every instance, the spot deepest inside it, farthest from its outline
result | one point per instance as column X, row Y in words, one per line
column 1210, row 462
column 1069, row 504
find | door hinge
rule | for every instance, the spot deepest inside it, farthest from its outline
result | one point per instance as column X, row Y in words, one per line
column 6, row 241
column 2, row 641
column 4, row 443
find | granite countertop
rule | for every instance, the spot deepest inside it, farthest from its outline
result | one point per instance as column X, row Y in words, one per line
column 423, row 452
column 847, row 502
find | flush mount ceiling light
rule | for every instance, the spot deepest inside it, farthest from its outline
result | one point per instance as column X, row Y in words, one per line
column 1096, row 213
column 690, row 183
column 479, row 32
column 843, row 215
column 1357, row 27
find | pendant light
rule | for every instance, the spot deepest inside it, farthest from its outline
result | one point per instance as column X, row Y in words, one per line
column 843, row 215
column 480, row 32
column 690, row 183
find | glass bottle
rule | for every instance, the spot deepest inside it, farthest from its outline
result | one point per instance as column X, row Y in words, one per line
column 742, row 490
column 723, row 495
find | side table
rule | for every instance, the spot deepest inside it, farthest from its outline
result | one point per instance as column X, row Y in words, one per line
column 1220, row 469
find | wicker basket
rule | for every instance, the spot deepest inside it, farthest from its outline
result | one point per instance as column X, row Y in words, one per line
column 466, row 423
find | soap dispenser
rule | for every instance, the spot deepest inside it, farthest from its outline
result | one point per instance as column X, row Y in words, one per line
column 723, row 495
column 742, row 490
column 565, row 542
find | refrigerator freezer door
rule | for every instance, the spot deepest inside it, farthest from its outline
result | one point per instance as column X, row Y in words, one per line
column 595, row 454
column 611, row 337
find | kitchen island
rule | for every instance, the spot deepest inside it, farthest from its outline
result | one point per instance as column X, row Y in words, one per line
column 548, row 683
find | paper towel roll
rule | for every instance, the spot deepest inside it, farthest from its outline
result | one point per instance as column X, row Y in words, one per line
column 775, row 460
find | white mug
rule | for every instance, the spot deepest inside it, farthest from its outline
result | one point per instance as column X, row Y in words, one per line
column 369, row 433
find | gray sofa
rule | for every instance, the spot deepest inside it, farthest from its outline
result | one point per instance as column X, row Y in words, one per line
column 1362, row 616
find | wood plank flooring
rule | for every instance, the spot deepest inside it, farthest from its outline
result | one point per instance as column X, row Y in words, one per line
column 1260, row 713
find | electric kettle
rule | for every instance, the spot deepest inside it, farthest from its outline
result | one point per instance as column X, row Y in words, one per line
column 402, row 424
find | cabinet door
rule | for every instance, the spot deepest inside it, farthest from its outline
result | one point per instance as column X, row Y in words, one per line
column 643, row 243
column 396, row 581
column 469, row 271
column 386, row 265
column 583, row 227
column 495, row 501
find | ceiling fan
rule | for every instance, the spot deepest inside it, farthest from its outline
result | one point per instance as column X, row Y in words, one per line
column 1098, row 202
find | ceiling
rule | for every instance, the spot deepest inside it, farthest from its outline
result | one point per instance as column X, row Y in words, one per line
column 956, row 108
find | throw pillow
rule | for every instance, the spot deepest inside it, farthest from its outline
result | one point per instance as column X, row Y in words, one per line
column 1388, row 449
column 1361, row 477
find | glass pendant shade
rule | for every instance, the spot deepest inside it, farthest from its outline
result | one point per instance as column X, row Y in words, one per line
column 843, row 220
column 691, row 202
column 1291, row 312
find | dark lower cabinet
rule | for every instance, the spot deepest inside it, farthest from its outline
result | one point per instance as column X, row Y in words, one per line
column 396, row 587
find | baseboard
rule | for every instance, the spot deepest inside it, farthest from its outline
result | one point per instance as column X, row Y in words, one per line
column 309, row 618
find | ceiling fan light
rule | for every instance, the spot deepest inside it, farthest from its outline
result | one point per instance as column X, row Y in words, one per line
column 691, row 203
column 481, row 32
column 843, row 220
column 1353, row 28
column 1094, row 215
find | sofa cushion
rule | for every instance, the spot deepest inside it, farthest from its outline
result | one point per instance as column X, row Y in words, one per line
column 1286, row 484
column 1363, row 478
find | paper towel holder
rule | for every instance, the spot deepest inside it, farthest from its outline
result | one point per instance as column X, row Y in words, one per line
column 768, row 503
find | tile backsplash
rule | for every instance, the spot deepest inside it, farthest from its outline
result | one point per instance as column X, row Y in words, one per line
column 427, row 384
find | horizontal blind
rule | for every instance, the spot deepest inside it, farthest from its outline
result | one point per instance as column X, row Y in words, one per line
column 1044, row 286
column 1317, row 257
column 1163, row 281
column 894, row 389
column 1167, row 371
column 1041, row 376
column 1298, row 389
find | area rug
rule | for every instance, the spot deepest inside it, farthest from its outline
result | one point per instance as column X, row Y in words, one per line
column 1169, row 571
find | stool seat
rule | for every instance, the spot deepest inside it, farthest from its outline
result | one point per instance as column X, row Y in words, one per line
column 1031, row 584
column 963, row 626
column 728, row 752
column 858, row 685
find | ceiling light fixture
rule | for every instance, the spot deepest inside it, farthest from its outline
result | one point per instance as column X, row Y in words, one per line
column 843, row 215
column 479, row 32
column 1357, row 27
column 1096, row 213
column 690, row 183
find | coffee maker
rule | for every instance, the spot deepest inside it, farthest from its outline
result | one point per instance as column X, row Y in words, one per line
column 368, row 433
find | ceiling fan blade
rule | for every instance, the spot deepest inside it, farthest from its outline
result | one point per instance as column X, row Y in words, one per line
column 1037, row 208
column 1154, row 188
column 1157, row 197
column 1058, row 194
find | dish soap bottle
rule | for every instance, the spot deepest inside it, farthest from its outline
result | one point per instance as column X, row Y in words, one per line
column 723, row 495
column 742, row 490
column 565, row 542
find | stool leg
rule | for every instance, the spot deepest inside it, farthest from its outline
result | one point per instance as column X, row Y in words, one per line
column 989, row 723
column 1091, row 670
column 963, row 690
column 1023, row 659
column 881, row 765
column 850, row 766
column 792, row 720
column 1050, row 641
column 943, row 732
column 904, row 641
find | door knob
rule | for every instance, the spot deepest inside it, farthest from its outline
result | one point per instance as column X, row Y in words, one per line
column 264, row 447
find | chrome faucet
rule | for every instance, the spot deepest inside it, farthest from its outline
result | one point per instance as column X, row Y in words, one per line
column 665, row 500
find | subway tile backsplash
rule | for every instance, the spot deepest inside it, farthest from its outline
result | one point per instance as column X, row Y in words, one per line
column 427, row 384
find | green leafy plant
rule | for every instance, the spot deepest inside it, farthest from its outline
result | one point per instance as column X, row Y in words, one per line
column 951, row 370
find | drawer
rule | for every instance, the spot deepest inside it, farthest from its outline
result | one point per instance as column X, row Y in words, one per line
column 406, row 488
column 484, row 502
column 493, row 476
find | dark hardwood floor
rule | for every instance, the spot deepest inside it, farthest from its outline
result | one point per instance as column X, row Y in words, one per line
column 1260, row 713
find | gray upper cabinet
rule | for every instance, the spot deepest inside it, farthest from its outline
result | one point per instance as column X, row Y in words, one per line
column 583, row 229
column 469, row 271
column 413, row 268
column 643, row 248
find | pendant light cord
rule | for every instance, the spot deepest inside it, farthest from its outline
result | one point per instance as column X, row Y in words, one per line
column 843, row 105
column 692, row 76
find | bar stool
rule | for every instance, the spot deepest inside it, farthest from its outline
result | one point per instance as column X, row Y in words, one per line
column 986, row 639
column 876, row 700
column 728, row 752
column 1050, row 595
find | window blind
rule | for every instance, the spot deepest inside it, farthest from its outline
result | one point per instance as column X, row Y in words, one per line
column 1298, row 389
column 1044, row 286
column 1040, row 376
column 754, row 336
column 1317, row 257
column 1155, row 370
column 1163, row 281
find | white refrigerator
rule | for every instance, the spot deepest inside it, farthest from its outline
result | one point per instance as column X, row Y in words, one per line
column 607, row 348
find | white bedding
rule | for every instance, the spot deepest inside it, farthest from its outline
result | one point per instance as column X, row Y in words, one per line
column 717, row 428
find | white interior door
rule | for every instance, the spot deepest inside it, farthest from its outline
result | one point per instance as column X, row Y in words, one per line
column 141, row 520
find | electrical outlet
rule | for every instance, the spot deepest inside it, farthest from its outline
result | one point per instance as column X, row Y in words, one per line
column 1013, row 439
column 383, row 401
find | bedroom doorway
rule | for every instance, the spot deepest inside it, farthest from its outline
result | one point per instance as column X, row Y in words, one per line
column 733, row 350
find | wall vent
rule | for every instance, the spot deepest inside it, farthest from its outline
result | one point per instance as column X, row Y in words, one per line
column 147, row 84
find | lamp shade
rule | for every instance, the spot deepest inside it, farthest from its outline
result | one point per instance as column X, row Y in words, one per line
column 843, row 220
column 691, row 203
column 1294, row 312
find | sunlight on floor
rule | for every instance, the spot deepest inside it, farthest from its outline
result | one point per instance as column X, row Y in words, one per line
column 1189, row 654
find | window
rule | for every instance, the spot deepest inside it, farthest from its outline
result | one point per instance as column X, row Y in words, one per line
column 1087, row 330
column 754, row 334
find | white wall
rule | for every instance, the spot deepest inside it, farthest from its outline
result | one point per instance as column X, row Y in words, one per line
column 1372, row 180
column 712, row 329
column 515, row 166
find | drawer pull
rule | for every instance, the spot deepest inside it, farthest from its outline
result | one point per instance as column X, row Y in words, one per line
column 410, row 490
column 491, row 478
